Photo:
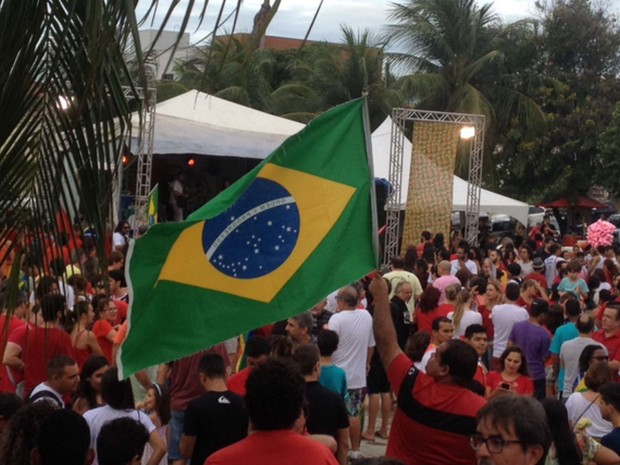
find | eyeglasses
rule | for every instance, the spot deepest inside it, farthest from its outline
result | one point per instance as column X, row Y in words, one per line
column 495, row 444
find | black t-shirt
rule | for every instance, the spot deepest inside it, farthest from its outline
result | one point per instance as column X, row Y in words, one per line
column 402, row 321
column 327, row 412
column 217, row 420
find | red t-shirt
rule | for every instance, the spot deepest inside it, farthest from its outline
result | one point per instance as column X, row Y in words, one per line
column 611, row 343
column 6, row 384
column 487, row 322
column 444, row 415
column 236, row 383
column 443, row 310
column 539, row 278
column 523, row 385
column 102, row 328
column 425, row 320
column 522, row 303
column 39, row 346
column 277, row 447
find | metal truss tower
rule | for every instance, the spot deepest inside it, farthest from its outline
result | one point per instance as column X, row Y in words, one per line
column 400, row 116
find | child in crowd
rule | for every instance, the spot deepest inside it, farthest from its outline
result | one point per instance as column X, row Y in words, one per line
column 157, row 405
column 573, row 283
column 332, row 377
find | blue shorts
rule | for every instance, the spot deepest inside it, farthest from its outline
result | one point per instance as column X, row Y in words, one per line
column 177, row 422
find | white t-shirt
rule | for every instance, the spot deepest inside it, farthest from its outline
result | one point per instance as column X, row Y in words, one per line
column 504, row 317
column 469, row 318
column 526, row 268
column 99, row 416
column 175, row 186
column 569, row 356
column 118, row 239
column 44, row 387
column 354, row 328
column 579, row 407
column 469, row 264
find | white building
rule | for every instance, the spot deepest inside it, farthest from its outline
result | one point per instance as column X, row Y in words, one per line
column 163, row 50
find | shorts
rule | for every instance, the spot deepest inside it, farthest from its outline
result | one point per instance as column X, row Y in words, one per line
column 177, row 422
column 354, row 401
column 376, row 380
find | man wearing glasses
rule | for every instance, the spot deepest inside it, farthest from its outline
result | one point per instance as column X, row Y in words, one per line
column 512, row 430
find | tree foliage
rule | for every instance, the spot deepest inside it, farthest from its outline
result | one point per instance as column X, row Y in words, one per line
column 579, row 47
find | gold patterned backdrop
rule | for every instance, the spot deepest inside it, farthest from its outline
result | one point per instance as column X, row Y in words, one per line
column 429, row 201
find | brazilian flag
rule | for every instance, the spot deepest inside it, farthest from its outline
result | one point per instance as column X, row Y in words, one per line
column 298, row 226
column 153, row 206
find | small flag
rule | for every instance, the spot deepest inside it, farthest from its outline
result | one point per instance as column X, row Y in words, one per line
column 153, row 206
column 298, row 226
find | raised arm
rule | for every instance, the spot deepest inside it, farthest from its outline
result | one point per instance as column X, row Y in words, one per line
column 385, row 333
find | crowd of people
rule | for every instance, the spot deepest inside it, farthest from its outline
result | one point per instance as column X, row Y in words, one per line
column 501, row 354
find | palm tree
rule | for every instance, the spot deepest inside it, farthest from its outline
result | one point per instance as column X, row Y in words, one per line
column 354, row 67
column 66, row 97
column 455, row 53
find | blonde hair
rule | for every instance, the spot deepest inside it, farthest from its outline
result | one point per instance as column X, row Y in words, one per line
column 452, row 291
column 461, row 305
column 497, row 285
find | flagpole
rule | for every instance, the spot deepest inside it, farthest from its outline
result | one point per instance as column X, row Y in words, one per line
column 373, row 194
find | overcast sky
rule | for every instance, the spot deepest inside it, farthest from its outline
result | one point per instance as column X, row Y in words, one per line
column 294, row 16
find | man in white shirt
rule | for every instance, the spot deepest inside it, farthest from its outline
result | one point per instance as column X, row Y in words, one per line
column 463, row 260
column 570, row 352
column 63, row 376
column 177, row 196
column 355, row 348
column 504, row 316
column 551, row 262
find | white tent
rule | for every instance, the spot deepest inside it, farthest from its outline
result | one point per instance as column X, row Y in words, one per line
column 202, row 124
column 489, row 201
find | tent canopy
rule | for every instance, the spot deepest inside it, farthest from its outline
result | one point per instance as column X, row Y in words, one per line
column 202, row 124
column 489, row 201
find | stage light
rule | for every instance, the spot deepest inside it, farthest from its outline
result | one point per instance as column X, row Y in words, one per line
column 191, row 161
column 125, row 159
column 467, row 132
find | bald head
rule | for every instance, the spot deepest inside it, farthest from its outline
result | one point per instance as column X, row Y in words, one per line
column 443, row 268
column 347, row 297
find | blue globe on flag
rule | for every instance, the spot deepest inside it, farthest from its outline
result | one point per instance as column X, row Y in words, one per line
column 256, row 235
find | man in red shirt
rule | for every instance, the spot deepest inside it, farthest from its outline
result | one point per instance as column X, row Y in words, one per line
column 435, row 413
column 609, row 334
column 537, row 275
column 274, row 400
column 30, row 349
column 15, row 321
column 256, row 352
column 476, row 336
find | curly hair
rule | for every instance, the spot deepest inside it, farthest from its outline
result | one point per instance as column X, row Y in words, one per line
column 275, row 394
column 21, row 436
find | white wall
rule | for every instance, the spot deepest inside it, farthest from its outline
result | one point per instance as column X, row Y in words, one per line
column 162, row 49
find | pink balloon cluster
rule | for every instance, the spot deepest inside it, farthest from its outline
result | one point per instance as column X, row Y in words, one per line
column 601, row 233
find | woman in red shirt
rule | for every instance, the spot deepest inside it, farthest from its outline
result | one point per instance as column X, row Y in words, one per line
column 105, row 317
column 427, row 309
column 513, row 374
